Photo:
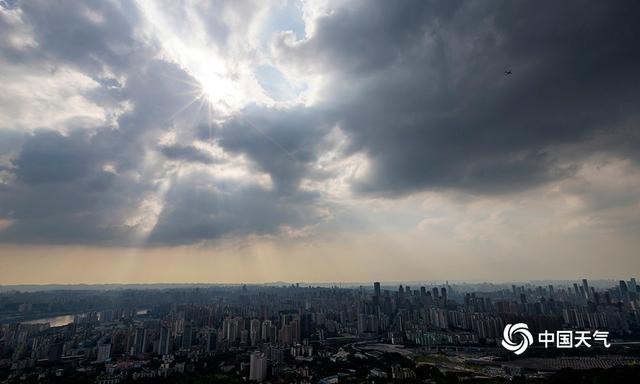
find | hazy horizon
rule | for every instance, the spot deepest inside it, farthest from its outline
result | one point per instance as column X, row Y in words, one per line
column 303, row 284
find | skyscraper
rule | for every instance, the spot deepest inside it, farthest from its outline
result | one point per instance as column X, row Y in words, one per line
column 165, row 342
column 212, row 340
column 187, row 335
column 306, row 325
column 623, row 289
column 585, row 286
column 226, row 328
column 576, row 290
column 258, row 367
column 266, row 327
column 55, row 352
column 138, row 348
column 254, row 331
column 104, row 353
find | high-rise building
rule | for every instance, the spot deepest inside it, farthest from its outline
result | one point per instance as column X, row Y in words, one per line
column 266, row 327
column 104, row 353
column 362, row 327
column 187, row 335
column 376, row 288
column 235, row 326
column 285, row 334
column 244, row 337
column 306, row 325
column 258, row 367
column 585, row 286
column 54, row 354
column 273, row 333
column 274, row 354
column 254, row 331
column 138, row 347
column 212, row 339
column 165, row 341
column 576, row 290
column 428, row 300
column 623, row 289
column 295, row 330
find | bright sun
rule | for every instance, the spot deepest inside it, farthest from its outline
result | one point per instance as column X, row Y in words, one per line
column 218, row 90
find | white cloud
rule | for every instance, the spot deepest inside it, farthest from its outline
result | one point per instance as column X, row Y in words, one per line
column 48, row 97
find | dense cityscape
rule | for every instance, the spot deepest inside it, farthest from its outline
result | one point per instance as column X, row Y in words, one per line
column 300, row 333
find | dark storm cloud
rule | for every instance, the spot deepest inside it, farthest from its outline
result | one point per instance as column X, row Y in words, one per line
column 61, row 193
column 94, row 36
column 51, row 157
column 282, row 143
column 186, row 152
column 84, row 186
column 54, row 188
column 199, row 209
column 420, row 87
column 11, row 141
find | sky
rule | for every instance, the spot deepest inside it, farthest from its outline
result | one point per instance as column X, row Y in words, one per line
column 323, row 141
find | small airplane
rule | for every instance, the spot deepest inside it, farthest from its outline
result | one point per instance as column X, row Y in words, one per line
column 508, row 72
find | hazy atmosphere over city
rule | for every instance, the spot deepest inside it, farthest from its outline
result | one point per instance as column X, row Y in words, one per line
column 323, row 141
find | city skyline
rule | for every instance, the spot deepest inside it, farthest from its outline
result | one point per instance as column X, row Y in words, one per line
column 320, row 141
column 373, row 333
